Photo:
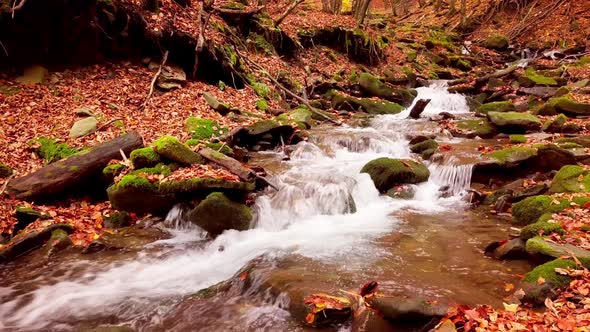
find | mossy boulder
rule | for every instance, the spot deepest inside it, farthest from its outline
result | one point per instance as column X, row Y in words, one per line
column 160, row 168
column 567, row 105
column 111, row 171
column 571, row 179
column 541, row 227
column 539, row 246
column 59, row 240
column 580, row 140
column 302, row 117
column 205, row 185
column 218, row 213
column 423, row 146
column 475, row 128
column 497, row 106
column 203, row 129
column 172, row 149
column 134, row 193
column 513, row 155
column 5, row 171
column 542, row 281
column 144, row 157
column 118, row 220
column 497, row 42
column 555, row 125
column 26, row 216
column 374, row 87
column 532, row 78
column 539, row 208
column 514, row 122
column 388, row 172
column 517, row 139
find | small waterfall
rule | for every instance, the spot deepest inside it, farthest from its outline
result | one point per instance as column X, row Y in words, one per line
column 456, row 177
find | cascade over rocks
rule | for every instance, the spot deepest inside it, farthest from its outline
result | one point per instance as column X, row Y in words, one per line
column 373, row 87
column 388, row 172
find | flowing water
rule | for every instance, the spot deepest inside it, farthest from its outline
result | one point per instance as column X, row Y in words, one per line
column 327, row 228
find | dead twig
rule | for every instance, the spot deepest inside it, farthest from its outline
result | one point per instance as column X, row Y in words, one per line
column 16, row 7
column 5, row 185
column 152, row 85
column 4, row 48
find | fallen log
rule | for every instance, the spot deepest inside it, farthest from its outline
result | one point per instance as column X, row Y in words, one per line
column 419, row 108
column 26, row 242
column 73, row 173
column 233, row 166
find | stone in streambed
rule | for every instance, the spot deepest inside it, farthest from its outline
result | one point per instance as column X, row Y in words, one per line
column 388, row 172
column 474, row 128
column 83, row 127
column 514, row 122
column 512, row 249
column 566, row 105
column 539, row 246
column 496, row 106
column 370, row 106
column 144, row 157
column 217, row 213
column 541, row 227
column 137, row 194
column 373, row 87
column 571, row 179
column 25, row 242
column 531, row 209
column 406, row 311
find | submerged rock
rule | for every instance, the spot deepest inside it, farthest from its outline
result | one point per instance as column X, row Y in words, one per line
column 512, row 249
column 406, row 311
column 387, row 172
column 217, row 213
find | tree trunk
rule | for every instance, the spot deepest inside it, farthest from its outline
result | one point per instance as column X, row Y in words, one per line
column 73, row 173
column 287, row 12
column 419, row 108
column 362, row 11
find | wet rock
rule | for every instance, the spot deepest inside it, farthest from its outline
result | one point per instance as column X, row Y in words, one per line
column 373, row 87
column 370, row 321
column 217, row 213
column 511, row 249
column 543, row 282
column 474, row 197
column 118, row 220
column 171, row 77
column 497, row 106
column 172, row 149
column 446, row 115
column 402, row 192
column 502, row 203
column 571, row 179
column 5, row 171
column 423, row 146
column 25, row 242
column 540, row 228
column 538, row 189
column 539, row 246
column 83, row 127
column 269, row 131
column 387, row 172
column 26, row 216
column 325, row 310
column 531, row 209
column 144, row 157
column 301, row 117
column 493, row 197
column 58, row 241
column 407, row 311
column 352, row 104
column 418, row 139
column 514, row 122
column 137, row 194
column 474, row 128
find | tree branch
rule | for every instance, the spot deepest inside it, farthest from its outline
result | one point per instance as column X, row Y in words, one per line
column 287, row 12
column 147, row 99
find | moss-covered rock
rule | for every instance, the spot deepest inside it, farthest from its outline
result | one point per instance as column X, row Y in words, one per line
column 217, row 213
column 475, row 128
column 111, row 171
column 517, row 139
column 301, row 117
column 220, row 147
column 387, row 172
column 25, row 216
column 541, row 227
column 513, row 155
column 137, row 194
column 205, row 185
column 542, row 281
column 423, row 146
column 555, row 125
column 497, row 106
column 262, row 105
column 497, row 42
column 352, row 104
column 374, row 87
column 203, row 129
column 567, row 105
column 160, row 168
column 59, row 240
column 171, row 148
column 580, row 140
column 530, row 210
column 144, row 157
column 5, row 171
column 532, row 78
column 571, row 179
column 50, row 150
column 118, row 220
column 216, row 105
column 539, row 246
column 514, row 122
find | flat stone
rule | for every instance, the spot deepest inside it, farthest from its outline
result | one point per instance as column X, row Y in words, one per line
column 83, row 127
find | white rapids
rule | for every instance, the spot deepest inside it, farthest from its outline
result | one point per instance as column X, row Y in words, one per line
column 325, row 209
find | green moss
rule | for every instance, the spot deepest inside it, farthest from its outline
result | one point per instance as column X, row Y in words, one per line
column 555, row 125
column 262, row 44
column 514, row 122
column 388, row 172
column 423, row 146
column 482, row 128
column 205, row 184
column 5, row 171
column 223, row 148
column 113, row 170
column 192, row 142
column 498, row 106
column 531, row 78
column 262, row 105
column 513, row 154
column 52, row 151
column 570, row 146
column 170, row 148
column 261, row 89
column 571, row 179
column 567, row 105
column 231, row 55
column 547, row 272
column 546, row 228
column 136, row 182
column 118, row 220
column 217, row 213
column 518, row 139
column 144, row 157
column 203, row 129
column 233, row 5
column 497, row 42
column 539, row 208
column 158, row 169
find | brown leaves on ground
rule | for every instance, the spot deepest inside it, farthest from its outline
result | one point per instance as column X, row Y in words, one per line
column 202, row 171
column 570, row 311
